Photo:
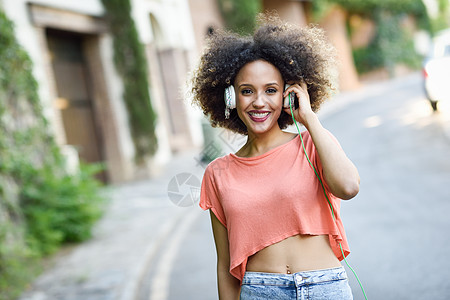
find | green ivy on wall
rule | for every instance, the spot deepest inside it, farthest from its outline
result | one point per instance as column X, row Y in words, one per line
column 131, row 64
column 41, row 206
column 240, row 15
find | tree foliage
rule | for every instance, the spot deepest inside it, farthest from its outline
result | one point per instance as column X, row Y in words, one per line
column 240, row 15
column 442, row 20
column 372, row 7
column 391, row 44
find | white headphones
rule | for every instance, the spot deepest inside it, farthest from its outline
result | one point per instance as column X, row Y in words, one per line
column 230, row 99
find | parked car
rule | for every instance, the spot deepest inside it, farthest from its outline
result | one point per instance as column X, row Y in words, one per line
column 436, row 70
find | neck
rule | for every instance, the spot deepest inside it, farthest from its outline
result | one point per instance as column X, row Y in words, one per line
column 258, row 144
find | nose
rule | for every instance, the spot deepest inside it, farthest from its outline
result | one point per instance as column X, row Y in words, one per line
column 258, row 102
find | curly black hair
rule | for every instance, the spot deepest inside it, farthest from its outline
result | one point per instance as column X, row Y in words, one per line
column 299, row 53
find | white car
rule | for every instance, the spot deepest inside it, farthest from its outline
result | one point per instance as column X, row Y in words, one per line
column 436, row 70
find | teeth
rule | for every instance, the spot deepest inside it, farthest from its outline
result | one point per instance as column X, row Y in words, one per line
column 259, row 115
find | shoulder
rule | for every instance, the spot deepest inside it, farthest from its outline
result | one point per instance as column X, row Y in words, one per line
column 305, row 138
column 218, row 164
column 305, row 135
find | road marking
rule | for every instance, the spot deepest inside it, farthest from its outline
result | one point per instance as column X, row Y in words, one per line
column 131, row 289
column 161, row 280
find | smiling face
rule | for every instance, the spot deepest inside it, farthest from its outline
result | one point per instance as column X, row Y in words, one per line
column 259, row 92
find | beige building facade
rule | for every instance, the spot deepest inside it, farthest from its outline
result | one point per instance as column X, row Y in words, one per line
column 81, row 92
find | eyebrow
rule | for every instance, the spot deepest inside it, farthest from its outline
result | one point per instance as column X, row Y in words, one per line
column 267, row 84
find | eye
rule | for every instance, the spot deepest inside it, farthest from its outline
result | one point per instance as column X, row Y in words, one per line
column 271, row 90
column 246, row 91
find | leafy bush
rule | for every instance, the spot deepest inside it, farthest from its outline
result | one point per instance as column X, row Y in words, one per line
column 59, row 209
column 17, row 266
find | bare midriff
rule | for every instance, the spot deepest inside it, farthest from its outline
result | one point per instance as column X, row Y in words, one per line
column 294, row 254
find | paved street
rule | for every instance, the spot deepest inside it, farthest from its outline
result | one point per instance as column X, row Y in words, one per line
column 148, row 246
column 398, row 224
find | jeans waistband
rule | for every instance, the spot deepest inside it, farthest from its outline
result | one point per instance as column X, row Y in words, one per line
column 299, row 278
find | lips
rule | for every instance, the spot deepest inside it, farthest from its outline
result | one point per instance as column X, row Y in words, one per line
column 258, row 116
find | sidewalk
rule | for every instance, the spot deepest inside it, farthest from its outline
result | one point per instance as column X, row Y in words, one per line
column 140, row 217
column 110, row 265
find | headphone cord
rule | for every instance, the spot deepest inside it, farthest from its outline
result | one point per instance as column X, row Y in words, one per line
column 326, row 196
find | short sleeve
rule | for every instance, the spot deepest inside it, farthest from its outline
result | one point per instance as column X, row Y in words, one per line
column 209, row 196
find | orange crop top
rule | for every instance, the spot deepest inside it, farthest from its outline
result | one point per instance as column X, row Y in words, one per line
column 265, row 199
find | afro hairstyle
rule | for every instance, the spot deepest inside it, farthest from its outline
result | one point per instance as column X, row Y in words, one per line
column 299, row 53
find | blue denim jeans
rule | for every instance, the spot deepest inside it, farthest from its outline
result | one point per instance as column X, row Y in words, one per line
column 324, row 284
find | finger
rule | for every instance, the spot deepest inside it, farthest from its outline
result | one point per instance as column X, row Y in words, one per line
column 290, row 89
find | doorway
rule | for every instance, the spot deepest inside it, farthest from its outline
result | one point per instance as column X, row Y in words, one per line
column 74, row 95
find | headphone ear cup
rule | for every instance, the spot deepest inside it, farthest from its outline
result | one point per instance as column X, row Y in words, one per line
column 230, row 97
column 286, row 99
column 292, row 97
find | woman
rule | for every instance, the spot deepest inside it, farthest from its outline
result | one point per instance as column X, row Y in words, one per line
column 276, row 225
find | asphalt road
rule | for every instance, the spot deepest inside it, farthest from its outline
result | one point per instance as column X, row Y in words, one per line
column 398, row 225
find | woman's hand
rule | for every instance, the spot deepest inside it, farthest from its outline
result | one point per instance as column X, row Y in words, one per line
column 303, row 113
